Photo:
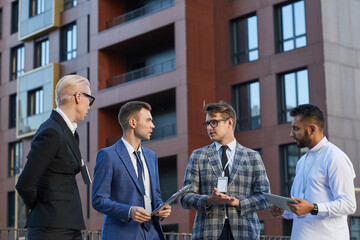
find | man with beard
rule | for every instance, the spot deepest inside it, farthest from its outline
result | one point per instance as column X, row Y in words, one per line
column 324, row 182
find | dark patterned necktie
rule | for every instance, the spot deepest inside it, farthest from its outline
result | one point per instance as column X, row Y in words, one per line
column 224, row 160
column 140, row 168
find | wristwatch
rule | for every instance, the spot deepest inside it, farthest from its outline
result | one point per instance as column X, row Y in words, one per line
column 315, row 210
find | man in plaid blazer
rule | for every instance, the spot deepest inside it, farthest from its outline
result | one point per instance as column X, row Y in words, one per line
column 229, row 212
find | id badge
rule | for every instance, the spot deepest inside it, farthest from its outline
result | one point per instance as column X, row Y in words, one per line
column 147, row 203
column 222, row 184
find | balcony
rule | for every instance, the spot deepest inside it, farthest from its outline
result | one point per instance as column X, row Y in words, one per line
column 150, row 8
column 145, row 72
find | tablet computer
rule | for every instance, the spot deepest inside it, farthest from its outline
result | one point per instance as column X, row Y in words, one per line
column 279, row 201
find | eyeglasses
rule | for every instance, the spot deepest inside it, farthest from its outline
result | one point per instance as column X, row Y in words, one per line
column 213, row 122
column 91, row 98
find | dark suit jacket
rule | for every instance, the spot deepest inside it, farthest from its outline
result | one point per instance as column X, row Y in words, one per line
column 47, row 184
column 116, row 188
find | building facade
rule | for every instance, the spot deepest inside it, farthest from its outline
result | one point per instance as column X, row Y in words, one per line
column 263, row 57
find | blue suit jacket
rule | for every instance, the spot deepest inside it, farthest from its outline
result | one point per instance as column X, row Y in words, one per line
column 116, row 188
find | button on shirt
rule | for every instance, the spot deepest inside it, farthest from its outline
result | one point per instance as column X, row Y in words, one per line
column 329, row 183
column 230, row 154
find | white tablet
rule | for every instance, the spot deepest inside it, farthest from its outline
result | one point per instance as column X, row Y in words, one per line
column 280, row 201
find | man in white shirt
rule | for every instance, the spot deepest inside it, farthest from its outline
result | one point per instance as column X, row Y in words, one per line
column 324, row 182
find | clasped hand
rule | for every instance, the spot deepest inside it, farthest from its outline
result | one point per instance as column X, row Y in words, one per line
column 140, row 215
column 220, row 198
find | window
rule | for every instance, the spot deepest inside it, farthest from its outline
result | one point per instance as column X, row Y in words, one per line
column 14, row 17
column 293, row 91
column 36, row 7
column 1, row 20
column 11, row 209
column 289, row 155
column 68, row 42
column 291, row 28
column 17, row 62
column 354, row 228
column 15, row 158
column 246, row 102
column 168, row 176
column 12, row 111
column 35, row 102
column 70, row 4
column 244, row 40
column 41, row 51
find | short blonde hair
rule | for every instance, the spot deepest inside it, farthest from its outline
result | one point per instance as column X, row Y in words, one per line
column 67, row 86
column 225, row 109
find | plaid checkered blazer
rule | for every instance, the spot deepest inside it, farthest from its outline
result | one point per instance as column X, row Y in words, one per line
column 247, row 182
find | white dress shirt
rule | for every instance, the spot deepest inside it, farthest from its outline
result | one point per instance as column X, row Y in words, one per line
column 230, row 153
column 71, row 125
column 146, row 176
column 328, row 175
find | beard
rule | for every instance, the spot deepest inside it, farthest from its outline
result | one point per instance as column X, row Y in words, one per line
column 304, row 141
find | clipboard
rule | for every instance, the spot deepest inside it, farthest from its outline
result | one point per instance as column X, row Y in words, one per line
column 171, row 199
column 280, row 201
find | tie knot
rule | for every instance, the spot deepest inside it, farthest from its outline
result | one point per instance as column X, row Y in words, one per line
column 137, row 154
column 224, row 148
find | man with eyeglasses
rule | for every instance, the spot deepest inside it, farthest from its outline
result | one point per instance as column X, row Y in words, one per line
column 227, row 182
column 47, row 184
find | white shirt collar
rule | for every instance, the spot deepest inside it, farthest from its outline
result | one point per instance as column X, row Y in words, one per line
column 231, row 145
column 71, row 125
column 130, row 148
column 319, row 145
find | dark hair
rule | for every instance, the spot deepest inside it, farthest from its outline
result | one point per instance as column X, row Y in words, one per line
column 225, row 109
column 128, row 110
column 308, row 111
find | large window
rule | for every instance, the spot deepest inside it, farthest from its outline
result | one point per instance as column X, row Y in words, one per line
column 68, row 42
column 289, row 155
column 168, row 176
column 354, row 228
column 36, row 7
column 15, row 158
column 12, row 111
column 35, row 102
column 14, row 17
column 244, row 39
column 70, row 4
column 246, row 102
column 41, row 51
column 291, row 28
column 17, row 63
column 11, row 209
column 293, row 90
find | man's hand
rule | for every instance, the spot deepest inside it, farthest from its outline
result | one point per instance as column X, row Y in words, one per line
column 276, row 212
column 165, row 212
column 139, row 214
column 301, row 208
column 220, row 198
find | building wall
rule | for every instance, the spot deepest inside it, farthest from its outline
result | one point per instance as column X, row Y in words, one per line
column 341, row 24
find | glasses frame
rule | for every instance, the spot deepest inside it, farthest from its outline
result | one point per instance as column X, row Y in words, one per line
column 213, row 122
column 91, row 98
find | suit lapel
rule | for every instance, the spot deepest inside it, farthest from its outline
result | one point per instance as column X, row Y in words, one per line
column 214, row 160
column 238, row 163
column 121, row 149
column 70, row 138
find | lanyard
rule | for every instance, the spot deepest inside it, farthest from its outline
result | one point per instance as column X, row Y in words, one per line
column 305, row 176
column 226, row 165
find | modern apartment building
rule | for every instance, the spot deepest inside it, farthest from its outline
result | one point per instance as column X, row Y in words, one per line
column 264, row 57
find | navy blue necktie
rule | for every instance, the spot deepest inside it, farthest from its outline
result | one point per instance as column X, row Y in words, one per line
column 140, row 168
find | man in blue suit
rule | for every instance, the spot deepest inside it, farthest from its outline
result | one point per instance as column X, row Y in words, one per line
column 126, row 184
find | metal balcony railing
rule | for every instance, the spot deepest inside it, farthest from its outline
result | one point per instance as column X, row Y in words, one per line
column 145, row 72
column 18, row 234
column 147, row 9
